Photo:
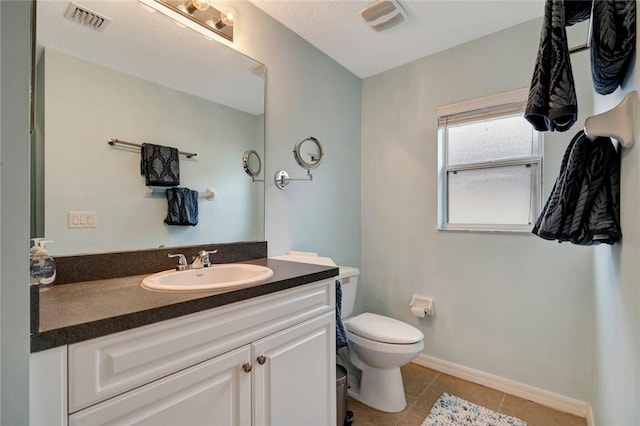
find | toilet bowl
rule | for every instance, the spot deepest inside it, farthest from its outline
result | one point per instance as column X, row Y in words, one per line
column 383, row 348
column 378, row 347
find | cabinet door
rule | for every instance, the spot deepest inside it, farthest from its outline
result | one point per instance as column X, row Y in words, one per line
column 215, row 392
column 294, row 375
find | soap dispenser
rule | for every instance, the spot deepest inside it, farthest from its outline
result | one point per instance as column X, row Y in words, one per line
column 42, row 267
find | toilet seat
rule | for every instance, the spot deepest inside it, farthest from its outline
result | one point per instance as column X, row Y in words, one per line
column 383, row 329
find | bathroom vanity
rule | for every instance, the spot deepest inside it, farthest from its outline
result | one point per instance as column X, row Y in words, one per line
column 255, row 356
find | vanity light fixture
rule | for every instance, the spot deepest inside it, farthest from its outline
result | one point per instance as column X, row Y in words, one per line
column 198, row 15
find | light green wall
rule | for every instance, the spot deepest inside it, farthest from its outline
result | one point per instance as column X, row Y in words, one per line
column 14, row 221
column 616, row 389
column 512, row 305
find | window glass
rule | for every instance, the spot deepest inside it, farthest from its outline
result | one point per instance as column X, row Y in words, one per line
column 489, row 140
column 497, row 195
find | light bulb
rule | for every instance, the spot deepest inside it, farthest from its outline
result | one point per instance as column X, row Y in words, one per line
column 200, row 4
column 228, row 17
column 192, row 5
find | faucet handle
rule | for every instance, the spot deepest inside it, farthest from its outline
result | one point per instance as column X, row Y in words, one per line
column 202, row 259
column 182, row 261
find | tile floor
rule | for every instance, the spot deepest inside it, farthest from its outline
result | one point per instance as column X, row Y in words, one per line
column 424, row 386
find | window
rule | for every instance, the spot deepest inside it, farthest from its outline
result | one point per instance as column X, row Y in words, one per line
column 490, row 170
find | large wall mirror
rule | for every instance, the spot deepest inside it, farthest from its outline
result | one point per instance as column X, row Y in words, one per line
column 142, row 79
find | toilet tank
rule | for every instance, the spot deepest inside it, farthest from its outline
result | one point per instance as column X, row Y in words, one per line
column 348, row 277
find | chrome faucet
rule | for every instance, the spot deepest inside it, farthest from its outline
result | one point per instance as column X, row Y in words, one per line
column 182, row 262
column 202, row 259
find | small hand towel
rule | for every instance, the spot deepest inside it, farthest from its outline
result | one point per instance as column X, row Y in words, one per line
column 159, row 165
column 341, row 334
column 552, row 103
column 182, row 207
column 584, row 205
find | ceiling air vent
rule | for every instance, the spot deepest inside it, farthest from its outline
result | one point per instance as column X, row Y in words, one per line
column 86, row 17
column 383, row 14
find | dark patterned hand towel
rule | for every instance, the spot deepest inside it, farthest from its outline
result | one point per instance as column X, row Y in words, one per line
column 552, row 103
column 613, row 43
column 341, row 334
column 159, row 165
column 183, row 207
column 584, row 205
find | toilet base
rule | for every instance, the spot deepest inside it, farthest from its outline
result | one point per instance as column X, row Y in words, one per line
column 381, row 389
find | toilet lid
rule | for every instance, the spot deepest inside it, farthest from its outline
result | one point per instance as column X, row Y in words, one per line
column 383, row 329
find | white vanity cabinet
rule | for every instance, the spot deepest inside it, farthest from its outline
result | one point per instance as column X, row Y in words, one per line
column 269, row 360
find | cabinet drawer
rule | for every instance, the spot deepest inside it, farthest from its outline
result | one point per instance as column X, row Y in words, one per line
column 110, row 365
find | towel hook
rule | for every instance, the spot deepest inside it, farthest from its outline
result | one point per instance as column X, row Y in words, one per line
column 617, row 123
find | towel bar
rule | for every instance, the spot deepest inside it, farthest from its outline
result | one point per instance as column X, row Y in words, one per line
column 114, row 141
column 207, row 194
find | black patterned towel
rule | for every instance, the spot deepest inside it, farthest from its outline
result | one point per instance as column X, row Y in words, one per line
column 159, row 165
column 182, row 207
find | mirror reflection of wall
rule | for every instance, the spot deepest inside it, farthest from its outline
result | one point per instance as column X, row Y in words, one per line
column 81, row 104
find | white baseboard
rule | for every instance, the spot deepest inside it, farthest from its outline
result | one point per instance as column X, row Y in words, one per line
column 531, row 393
column 590, row 420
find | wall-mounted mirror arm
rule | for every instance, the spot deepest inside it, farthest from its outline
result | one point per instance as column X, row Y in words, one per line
column 282, row 178
column 308, row 154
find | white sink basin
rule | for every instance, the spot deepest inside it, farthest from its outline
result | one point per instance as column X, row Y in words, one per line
column 217, row 277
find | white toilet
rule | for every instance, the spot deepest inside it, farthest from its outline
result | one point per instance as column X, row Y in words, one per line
column 378, row 347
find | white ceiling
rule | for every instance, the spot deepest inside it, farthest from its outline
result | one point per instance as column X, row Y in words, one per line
column 336, row 28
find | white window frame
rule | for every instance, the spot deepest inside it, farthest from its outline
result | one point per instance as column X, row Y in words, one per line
column 501, row 103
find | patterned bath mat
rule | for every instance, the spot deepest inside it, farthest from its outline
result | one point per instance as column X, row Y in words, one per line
column 449, row 410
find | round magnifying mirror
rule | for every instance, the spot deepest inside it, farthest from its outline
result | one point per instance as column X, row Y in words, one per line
column 308, row 153
column 251, row 163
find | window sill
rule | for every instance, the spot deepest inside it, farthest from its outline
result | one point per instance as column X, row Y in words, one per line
column 486, row 230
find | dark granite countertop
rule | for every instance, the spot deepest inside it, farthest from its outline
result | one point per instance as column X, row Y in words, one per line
column 81, row 311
